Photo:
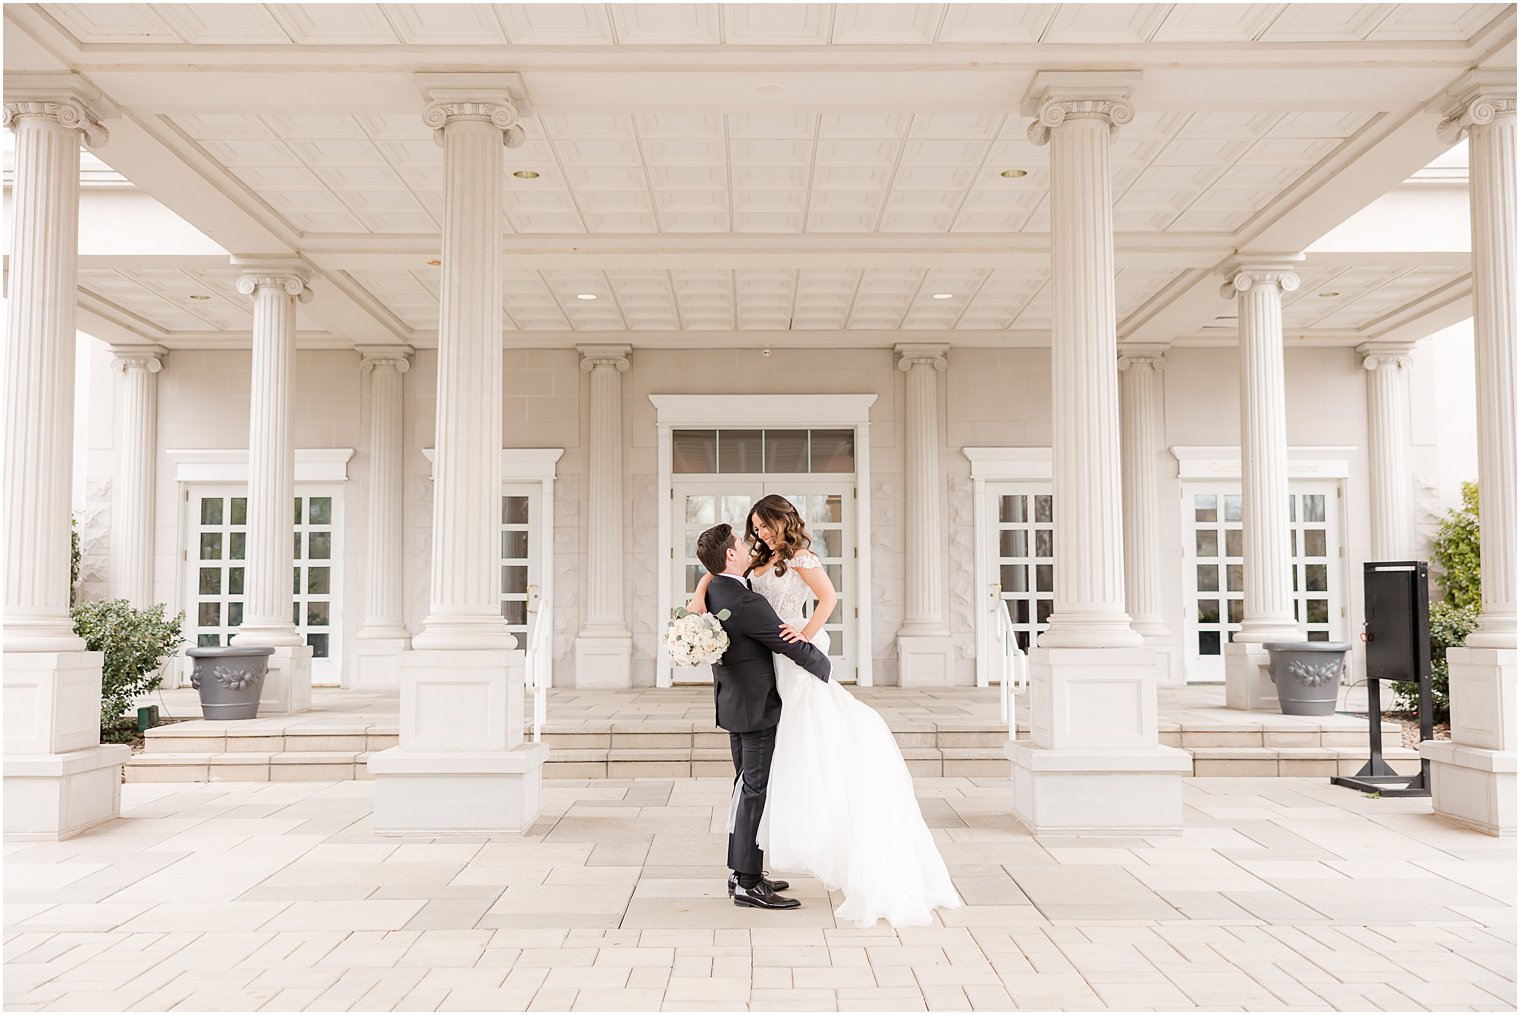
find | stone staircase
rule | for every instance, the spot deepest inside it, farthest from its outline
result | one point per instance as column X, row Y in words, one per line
column 299, row 749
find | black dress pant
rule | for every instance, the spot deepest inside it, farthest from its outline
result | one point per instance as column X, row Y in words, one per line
column 752, row 775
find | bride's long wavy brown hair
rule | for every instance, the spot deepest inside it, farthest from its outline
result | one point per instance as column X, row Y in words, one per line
column 784, row 520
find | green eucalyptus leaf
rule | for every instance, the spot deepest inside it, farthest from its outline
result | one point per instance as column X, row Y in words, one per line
column 724, row 614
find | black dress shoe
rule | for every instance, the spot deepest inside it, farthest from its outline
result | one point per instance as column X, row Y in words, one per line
column 762, row 896
column 776, row 886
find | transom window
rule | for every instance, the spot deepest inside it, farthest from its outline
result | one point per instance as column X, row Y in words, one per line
column 756, row 452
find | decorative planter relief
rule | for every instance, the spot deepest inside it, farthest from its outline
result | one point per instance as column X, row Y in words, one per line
column 229, row 679
column 1307, row 674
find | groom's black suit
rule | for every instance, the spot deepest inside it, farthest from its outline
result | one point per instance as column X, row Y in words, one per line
column 748, row 705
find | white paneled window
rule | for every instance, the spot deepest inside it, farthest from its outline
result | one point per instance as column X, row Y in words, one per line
column 1214, row 568
column 216, row 552
column 1024, row 555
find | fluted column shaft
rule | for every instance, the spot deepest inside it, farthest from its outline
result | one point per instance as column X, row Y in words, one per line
column 1387, row 439
column 1141, row 437
column 1487, row 117
column 1089, row 546
column 924, row 558
column 271, row 456
column 466, row 610
column 132, row 493
column 384, row 600
column 605, row 606
column 1268, row 601
column 39, row 370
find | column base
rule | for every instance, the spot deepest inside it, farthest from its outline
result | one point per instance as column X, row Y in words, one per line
column 287, row 684
column 1247, row 684
column 377, row 662
column 1472, row 786
column 1092, row 698
column 457, row 792
column 925, row 661
column 466, row 701
column 1169, row 672
column 52, row 702
column 49, row 797
column 1473, row 774
column 1096, row 791
column 604, row 660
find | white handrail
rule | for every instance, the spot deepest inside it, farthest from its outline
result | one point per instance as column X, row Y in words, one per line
column 539, row 663
column 1014, row 665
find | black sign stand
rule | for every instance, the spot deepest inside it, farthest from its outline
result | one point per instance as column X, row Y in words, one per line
column 1398, row 649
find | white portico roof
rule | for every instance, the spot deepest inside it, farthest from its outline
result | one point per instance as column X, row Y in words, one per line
column 797, row 173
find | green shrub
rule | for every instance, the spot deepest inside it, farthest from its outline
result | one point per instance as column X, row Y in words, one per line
column 74, row 557
column 1455, row 615
column 135, row 643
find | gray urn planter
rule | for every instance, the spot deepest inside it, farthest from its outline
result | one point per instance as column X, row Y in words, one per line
column 1307, row 674
column 230, row 679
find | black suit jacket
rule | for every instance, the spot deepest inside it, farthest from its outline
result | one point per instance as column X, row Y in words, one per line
column 744, row 680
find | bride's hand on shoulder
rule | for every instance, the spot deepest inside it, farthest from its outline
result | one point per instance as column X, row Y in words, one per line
column 697, row 605
column 790, row 633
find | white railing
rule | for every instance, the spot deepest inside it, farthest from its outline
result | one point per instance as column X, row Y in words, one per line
column 539, row 661
column 1013, row 665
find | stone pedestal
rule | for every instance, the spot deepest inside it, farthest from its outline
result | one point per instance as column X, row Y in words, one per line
column 377, row 662
column 1092, row 764
column 603, row 658
column 925, row 660
column 287, row 682
column 462, row 766
column 1247, row 684
column 59, row 778
column 1474, row 772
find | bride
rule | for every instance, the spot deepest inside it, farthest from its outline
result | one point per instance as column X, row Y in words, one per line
column 841, row 804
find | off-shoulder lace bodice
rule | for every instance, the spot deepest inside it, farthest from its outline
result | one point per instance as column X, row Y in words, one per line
column 787, row 593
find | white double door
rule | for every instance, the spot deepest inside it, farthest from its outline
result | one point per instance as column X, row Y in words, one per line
column 828, row 508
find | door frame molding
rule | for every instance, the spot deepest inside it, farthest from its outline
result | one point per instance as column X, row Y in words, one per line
column 996, row 465
column 751, row 411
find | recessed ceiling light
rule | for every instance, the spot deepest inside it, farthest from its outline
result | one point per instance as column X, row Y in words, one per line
column 1014, row 174
column 435, row 262
column 198, row 296
column 585, row 296
column 525, row 174
column 1329, row 294
column 770, row 88
column 942, row 296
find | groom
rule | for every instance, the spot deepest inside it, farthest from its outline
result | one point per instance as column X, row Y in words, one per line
column 749, row 707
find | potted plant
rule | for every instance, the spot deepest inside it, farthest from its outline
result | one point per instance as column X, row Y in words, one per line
column 1307, row 674
column 135, row 643
column 230, row 679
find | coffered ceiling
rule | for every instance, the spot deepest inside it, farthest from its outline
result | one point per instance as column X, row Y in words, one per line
column 846, row 173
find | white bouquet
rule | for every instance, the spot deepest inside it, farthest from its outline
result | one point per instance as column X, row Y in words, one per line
column 696, row 639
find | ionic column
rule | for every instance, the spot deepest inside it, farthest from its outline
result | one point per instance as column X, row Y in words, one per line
column 1093, row 764
column 604, row 648
column 1141, row 438
column 466, row 607
column 1257, row 285
column 132, row 490
column 59, row 779
column 1387, row 439
column 271, row 454
column 1474, row 772
column 383, row 637
column 925, row 655
column 462, row 765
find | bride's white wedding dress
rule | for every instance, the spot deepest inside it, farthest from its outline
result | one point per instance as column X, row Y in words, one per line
column 840, row 804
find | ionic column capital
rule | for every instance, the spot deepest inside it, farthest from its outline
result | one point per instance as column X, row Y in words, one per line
column 1242, row 275
column 286, row 276
column 914, row 355
column 1385, row 357
column 1058, row 97
column 395, row 357
column 63, row 98
column 149, row 358
column 1478, row 99
column 1144, row 357
column 613, row 356
column 496, row 99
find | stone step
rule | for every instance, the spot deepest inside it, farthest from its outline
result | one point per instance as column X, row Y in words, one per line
column 671, row 762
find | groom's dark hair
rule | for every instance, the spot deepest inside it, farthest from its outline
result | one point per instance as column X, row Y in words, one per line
column 712, row 547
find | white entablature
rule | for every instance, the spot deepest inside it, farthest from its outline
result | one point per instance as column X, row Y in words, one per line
column 819, row 173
